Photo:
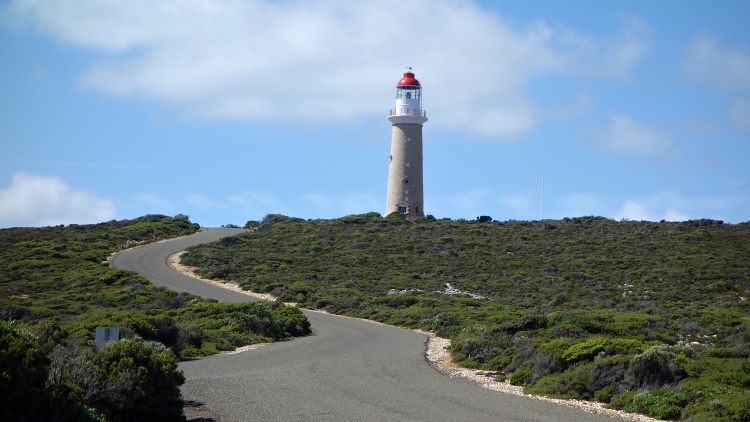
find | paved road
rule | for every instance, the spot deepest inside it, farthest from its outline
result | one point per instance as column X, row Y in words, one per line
column 350, row 370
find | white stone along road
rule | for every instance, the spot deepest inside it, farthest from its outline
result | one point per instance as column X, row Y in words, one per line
column 349, row 370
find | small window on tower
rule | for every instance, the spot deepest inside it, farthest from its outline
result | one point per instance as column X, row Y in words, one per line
column 406, row 181
column 402, row 209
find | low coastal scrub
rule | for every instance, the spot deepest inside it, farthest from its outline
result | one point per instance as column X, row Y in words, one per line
column 645, row 317
column 56, row 287
column 121, row 381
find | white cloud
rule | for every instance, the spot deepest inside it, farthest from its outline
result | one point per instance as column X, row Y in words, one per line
column 666, row 205
column 569, row 108
column 629, row 138
column 725, row 69
column 33, row 200
column 720, row 67
column 632, row 210
column 672, row 214
column 615, row 56
column 297, row 60
column 670, row 206
column 639, row 211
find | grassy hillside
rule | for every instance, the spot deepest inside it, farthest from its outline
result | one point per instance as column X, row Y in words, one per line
column 648, row 317
column 56, row 288
column 57, row 276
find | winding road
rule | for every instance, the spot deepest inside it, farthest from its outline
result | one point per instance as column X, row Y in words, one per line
column 350, row 370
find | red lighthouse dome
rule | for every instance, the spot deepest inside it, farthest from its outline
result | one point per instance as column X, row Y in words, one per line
column 408, row 100
column 408, row 80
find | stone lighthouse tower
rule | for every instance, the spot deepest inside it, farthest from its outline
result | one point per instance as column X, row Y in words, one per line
column 405, row 194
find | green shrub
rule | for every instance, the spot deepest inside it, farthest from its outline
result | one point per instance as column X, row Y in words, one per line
column 605, row 373
column 739, row 408
column 584, row 351
column 544, row 364
column 717, row 402
column 605, row 395
column 293, row 320
column 555, row 347
column 251, row 224
column 577, row 320
column 718, row 408
column 621, row 401
column 660, row 404
column 622, row 346
column 656, row 367
column 520, row 377
column 23, row 373
column 443, row 324
column 568, row 384
column 35, row 387
column 151, row 371
column 527, row 322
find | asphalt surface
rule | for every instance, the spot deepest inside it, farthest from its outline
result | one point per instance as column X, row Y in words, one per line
column 349, row 370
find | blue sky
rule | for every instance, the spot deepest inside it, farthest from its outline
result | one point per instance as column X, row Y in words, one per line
column 230, row 110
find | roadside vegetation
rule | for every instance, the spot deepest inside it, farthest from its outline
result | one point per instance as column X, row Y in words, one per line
column 646, row 317
column 56, row 287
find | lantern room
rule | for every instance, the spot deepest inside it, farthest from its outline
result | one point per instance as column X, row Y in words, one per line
column 408, row 96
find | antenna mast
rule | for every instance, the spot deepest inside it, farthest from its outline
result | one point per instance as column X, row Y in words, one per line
column 542, row 192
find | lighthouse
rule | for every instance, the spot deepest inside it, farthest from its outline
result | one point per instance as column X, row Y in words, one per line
column 405, row 192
